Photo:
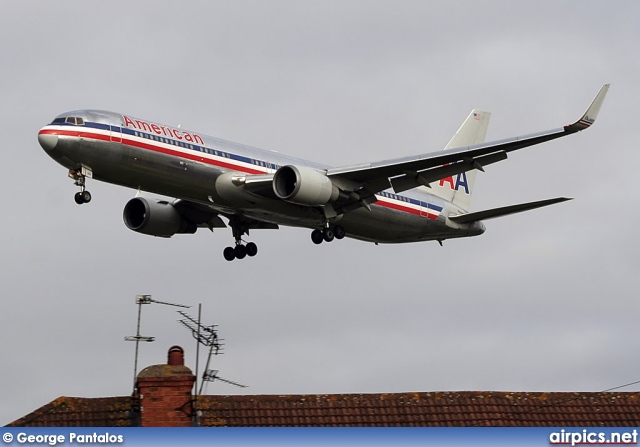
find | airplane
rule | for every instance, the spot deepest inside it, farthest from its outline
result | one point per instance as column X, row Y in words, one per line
column 424, row 197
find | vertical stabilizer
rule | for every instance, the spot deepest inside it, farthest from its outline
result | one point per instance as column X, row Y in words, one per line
column 458, row 188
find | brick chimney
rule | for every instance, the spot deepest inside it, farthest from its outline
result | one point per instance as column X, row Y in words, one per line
column 165, row 392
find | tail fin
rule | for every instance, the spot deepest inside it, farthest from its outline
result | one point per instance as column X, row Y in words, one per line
column 457, row 189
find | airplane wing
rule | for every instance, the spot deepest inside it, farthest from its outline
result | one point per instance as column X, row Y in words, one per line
column 201, row 215
column 410, row 172
column 206, row 216
column 359, row 184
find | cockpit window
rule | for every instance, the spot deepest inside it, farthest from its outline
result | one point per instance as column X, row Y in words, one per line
column 75, row 120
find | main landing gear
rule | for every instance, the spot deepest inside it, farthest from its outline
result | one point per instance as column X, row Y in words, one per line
column 240, row 251
column 327, row 234
column 79, row 177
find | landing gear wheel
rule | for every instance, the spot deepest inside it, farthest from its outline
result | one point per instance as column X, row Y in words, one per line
column 240, row 251
column 339, row 232
column 252, row 249
column 78, row 198
column 327, row 234
column 82, row 197
column 317, row 236
column 229, row 253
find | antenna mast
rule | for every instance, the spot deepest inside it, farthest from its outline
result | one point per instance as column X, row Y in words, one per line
column 140, row 300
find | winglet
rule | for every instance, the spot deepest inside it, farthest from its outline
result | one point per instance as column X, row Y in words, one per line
column 591, row 114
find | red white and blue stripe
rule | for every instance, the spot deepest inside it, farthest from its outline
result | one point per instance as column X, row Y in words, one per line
column 216, row 157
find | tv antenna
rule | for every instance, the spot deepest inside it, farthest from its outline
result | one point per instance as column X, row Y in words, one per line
column 207, row 336
column 140, row 300
column 212, row 374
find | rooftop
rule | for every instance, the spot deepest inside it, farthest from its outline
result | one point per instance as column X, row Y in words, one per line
column 424, row 409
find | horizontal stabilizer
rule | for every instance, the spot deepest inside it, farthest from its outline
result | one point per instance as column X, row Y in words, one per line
column 505, row 210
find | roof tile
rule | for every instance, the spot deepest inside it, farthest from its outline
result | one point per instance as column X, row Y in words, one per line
column 82, row 412
column 426, row 409
column 465, row 408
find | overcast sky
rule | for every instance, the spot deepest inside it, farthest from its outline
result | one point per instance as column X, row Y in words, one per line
column 543, row 301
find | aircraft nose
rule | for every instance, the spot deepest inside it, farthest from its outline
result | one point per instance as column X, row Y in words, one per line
column 47, row 141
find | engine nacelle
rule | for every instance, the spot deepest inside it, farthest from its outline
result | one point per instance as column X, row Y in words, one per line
column 156, row 218
column 303, row 185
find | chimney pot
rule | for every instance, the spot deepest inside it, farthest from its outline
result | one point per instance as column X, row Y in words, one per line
column 175, row 356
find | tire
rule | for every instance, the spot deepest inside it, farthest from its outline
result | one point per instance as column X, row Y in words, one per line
column 240, row 251
column 78, row 198
column 86, row 196
column 229, row 254
column 339, row 232
column 252, row 249
column 317, row 237
column 328, row 235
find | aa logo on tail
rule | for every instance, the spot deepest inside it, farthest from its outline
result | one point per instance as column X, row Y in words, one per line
column 460, row 182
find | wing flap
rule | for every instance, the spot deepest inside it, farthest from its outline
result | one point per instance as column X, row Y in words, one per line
column 392, row 168
column 205, row 216
column 425, row 178
column 201, row 215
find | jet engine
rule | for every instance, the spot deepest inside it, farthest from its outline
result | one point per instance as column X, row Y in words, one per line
column 156, row 218
column 304, row 186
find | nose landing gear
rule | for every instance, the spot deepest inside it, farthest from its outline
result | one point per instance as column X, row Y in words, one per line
column 79, row 176
column 82, row 197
